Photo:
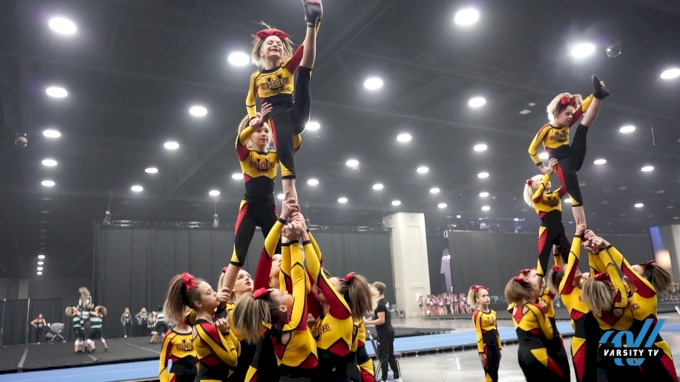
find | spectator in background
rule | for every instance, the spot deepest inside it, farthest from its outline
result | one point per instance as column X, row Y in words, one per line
column 142, row 321
column 383, row 326
column 126, row 320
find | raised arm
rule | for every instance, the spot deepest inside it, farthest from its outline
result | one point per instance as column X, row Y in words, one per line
column 644, row 287
column 298, row 318
column 338, row 306
column 285, row 282
column 264, row 264
column 621, row 300
column 251, row 103
column 567, row 283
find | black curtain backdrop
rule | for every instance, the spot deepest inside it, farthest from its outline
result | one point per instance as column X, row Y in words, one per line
column 133, row 266
column 16, row 321
column 435, row 251
column 491, row 259
column 14, row 330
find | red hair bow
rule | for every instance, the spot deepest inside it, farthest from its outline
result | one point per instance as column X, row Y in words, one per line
column 188, row 281
column 477, row 288
column 261, row 293
column 526, row 271
column 224, row 270
column 602, row 277
column 556, row 268
column 528, row 182
column 568, row 101
column 648, row 263
column 348, row 278
column 521, row 280
column 263, row 34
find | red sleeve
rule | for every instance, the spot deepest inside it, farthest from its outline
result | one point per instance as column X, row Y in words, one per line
column 313, row 305
column 264, row 266
column 294, row 61
column 242, row 151
column 577, row 115
column 339, row 309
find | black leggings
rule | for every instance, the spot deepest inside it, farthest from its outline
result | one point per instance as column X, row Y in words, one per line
column 386, row 354
column 570, row 161
column 39, row 332
column 286, row 121
column 251, row 215
column 550, row 235
column 493, row 356
column 127, row 329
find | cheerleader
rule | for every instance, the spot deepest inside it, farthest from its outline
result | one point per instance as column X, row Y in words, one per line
column 273, row 83
column 533, row 331
column 151, row 325
column 39, row 325
column 488, row 338
column 606, row 296
column 464, row 304
column 564, row 111
column 344, row 301
column 96, row 331
column 74, row 313
column 161, row 326
column 178, row 345
column 454, row 299
column 283, row 315
column 645, row 281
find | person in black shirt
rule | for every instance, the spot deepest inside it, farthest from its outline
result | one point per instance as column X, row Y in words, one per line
column 383, row 326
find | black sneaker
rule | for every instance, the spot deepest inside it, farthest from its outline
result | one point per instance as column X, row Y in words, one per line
column 600, row 91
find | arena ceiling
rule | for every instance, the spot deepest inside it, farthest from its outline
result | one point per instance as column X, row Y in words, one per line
column 133, row 70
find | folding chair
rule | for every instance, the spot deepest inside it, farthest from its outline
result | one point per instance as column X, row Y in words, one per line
column 376, row 364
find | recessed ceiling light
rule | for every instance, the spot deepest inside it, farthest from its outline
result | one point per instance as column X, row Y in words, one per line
column 313, row 126
column 669, row 207
column 600, row 161
column 40, row 268
column 41, row 262
column 171, row 145
column 373, row 83
column 403, row 137
column 56, row 92
column 582, row 50
column 441, row 205
column 214, row 193
column 466, row 17
column 480, row 147
column 41, row 257
column 676, row 218
column 151, row 170
column 543, row 155
column 49, row 133
column 312, row 182
column 48, row 183
column 477, row 102
column 434, row 190
column 342, row 200
column 137, row 188
column 660, row 191
column 627, row 129
column 483, row 194
column 49, row 162
column 525, row 112
column 483, row 175
column 648, row 168
column 670, row 73
column 198, row 111
column 39, row 273
column 62, row 25
column 237, row 176
column 378, row 186
column 47, row 212
column 567, row 200
column 238, row 59
column 422, row 170
column 639, row 205
column 486, row 208
column 352, row 163
column 280, row 196
column 396, row 202
column 458, row 216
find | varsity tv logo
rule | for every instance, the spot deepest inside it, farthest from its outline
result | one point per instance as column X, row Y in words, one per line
column 632, row 349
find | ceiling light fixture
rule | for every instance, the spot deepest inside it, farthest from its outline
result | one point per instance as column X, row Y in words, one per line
column 639, row 205
column 56, row 92
column 40, row 268
column 312, row 126
column 49, row 133
column 238, row 59
column 41, row 257
column 151, row 170
column 627, row 129
column 483, row 175
column 434, row 190
column 480, row 147
column 582, row 50
column 486, row 208
column 39, row 273
column 237, row 176
column 214, row 193
column 49, row 162
column 312, row 182
column 373, row 83
column 403, row 138
column 422, row 170
column 198, row 111
column 48, row 183
column 477, row 102
column 352, row 163
column 62, row 25
column 396, row 202
column 600, row 161
column 441, row 205
column 41, row 262
column 466, row 17
column 171, row 145
column 669, row 74
column 342, row 200
column 647, row 168
column 483, row 194
column 378, row 186
column 137, row 188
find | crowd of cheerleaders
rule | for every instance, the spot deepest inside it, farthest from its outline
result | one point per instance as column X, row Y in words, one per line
column 597, row 301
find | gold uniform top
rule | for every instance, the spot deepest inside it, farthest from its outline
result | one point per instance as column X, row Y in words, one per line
column 554, row 138
column 359, row 348
column 487, row 330
column 217, row 352
column 570, row 294
column 546, row 202
column 608, row 320
column 264, row 264
column 293, row 344
column 178, row 348
column 531, row 323
column 333, row 332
